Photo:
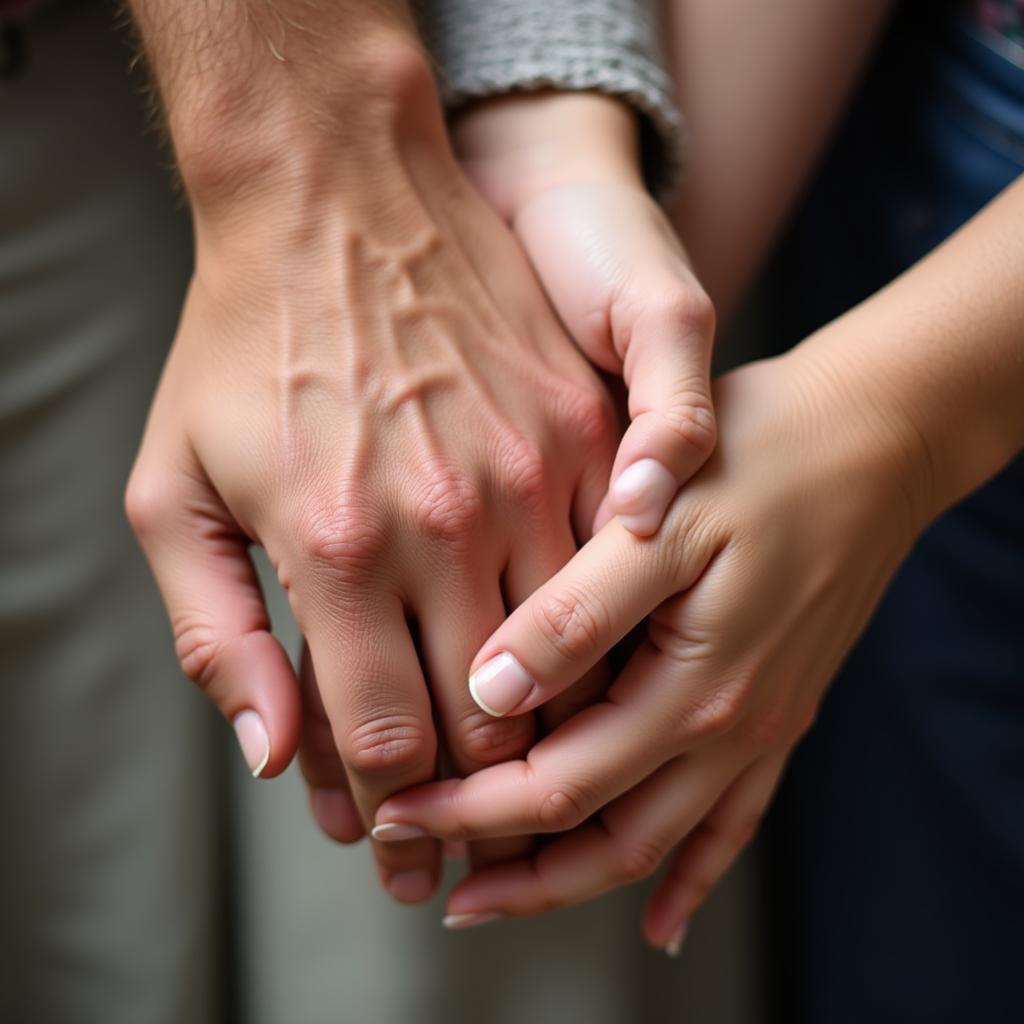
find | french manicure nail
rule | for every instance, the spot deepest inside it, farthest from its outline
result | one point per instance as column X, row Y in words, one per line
column 396, row 832
column 253, row 739
column 640, row 495
column 411, row 886
column 500, row 685
column 459, row 922
column 675, row 944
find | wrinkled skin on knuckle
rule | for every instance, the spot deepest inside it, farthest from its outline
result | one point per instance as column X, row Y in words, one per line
column 484, row 740
column 561, row 807
column 636, row 860
column 339, row 537
column 590, row 416
column 198, row 647
column 716, row 713
column 569, row 624
column 388, row 744
column 447, row 508
column 522, row 472
column 691, row 418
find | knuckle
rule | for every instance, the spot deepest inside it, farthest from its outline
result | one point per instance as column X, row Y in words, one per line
column 691, row 419
column 570, row 625
column 386, row 745
column 685, row 305
column 717, row 714
column 199, row 650
column 522, row 472
column 562, row 807
column 486, row 740
column 447, row 508
column 146, row 504
column 339, row 537
column 590, row 416
column 637, row 860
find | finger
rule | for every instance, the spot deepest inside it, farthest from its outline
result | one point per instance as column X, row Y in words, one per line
column 376, row 700
column 221, row 629
column 570, row 622
column 674, row 695
column 708, row 852
column 667, row 368
column 534, row 561
column 597, row 755
column 625, row 844
column 330, row 800
column 462, row 610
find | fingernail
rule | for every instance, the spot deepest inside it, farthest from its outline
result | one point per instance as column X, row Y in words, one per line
column 253, row 739
column 500, row 685
column 459, row 922
column 396, row 832
column 676, row 942
column 411, row 886
column 640, row 495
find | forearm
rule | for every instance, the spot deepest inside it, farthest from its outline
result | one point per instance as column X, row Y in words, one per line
column 291, row 97
column 761, row 86
column 942, row 349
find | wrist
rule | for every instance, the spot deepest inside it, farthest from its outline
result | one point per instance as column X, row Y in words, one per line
column 250, row 151
column 517, row 146
column 927, row 439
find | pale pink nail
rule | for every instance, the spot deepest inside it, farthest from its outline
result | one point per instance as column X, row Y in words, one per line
column 640, row 495
column 500, row 685
column 253, row 739
column 396, row 832
column 411, row 886
column 676, row 942
column 459, row 922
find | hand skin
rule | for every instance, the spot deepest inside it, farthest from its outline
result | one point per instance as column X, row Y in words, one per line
column 831, row 461
column 409, row 440
column 563, row 171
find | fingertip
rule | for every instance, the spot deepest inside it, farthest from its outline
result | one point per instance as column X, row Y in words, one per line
column 336, row 815
column 641, row 494
column 501, row 686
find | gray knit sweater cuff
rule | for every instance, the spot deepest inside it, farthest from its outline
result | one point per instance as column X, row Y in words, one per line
column 487, row 47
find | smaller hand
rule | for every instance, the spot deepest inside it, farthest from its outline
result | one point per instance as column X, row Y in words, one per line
column 765, row 571
column 562, row 169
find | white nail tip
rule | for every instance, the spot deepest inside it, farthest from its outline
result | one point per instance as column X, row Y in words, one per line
column 457, row 922
column 474, row 680
column 253, row 739
column 675, row 944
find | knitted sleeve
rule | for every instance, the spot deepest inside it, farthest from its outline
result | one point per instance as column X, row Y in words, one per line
column 488, row 47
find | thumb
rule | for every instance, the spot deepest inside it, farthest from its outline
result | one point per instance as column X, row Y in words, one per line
column 221, row 628
column 666, row 361
column 569, row 623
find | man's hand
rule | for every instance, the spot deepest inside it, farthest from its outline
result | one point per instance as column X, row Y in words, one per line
column 367, row 381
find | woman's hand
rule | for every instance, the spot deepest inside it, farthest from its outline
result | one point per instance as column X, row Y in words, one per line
column 368, row 382
column 562, row 169
column 764, row 573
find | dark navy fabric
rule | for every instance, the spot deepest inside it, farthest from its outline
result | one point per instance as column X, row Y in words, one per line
column 896, row 844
